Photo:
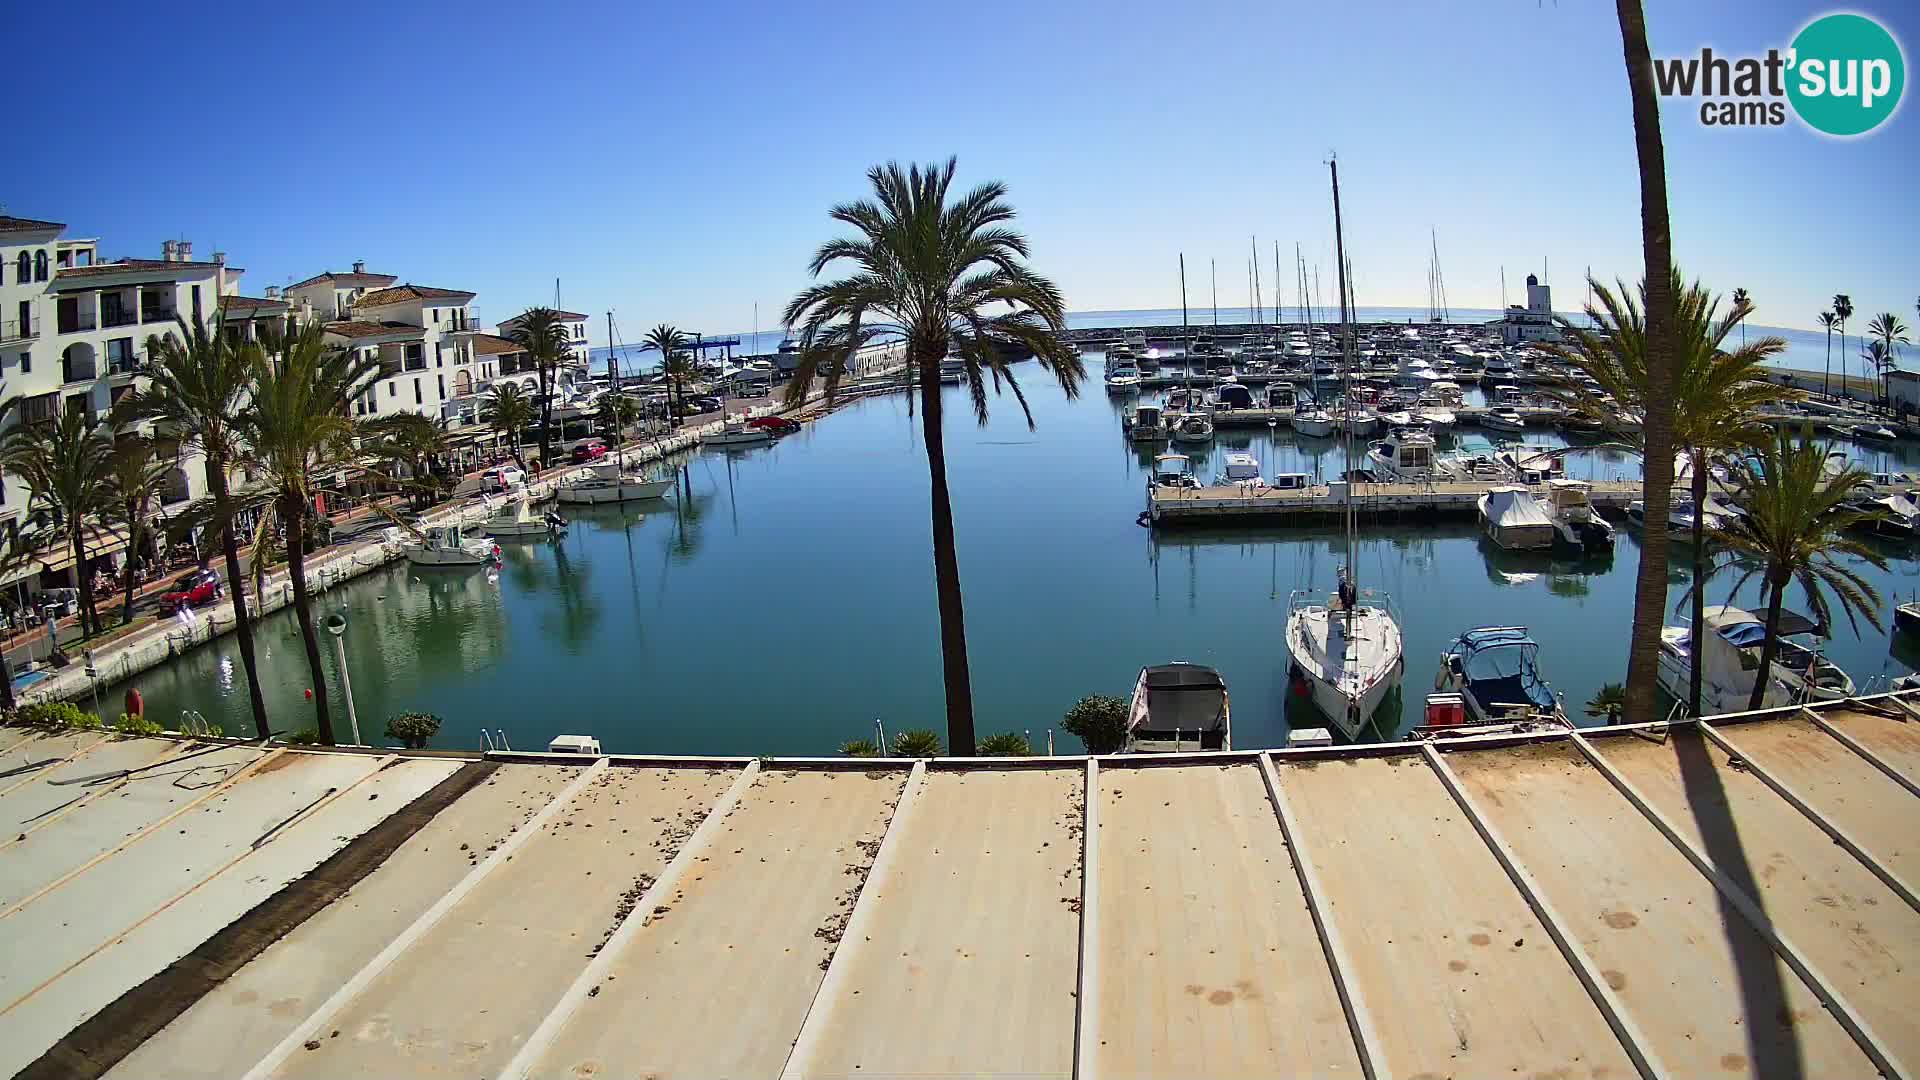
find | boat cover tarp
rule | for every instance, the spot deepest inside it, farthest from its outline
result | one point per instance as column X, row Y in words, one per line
column 1515, row 508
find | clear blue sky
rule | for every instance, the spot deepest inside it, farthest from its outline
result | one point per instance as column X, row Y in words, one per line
column 675, row 161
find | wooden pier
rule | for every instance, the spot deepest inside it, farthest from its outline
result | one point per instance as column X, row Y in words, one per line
column 1246, row 503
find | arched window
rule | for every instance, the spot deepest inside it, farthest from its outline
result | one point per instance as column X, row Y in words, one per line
column 39, row 266
column 25, row 265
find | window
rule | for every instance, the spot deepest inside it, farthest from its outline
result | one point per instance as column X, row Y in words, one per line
column 441, row 380
column 196, row 301
column 26, row 363
column 23, row 269
column 40, row 266
column 417, row 398
column 392, row 389
column 436, row 314
column 438, row 360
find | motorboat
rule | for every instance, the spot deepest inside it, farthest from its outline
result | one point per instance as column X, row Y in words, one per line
column 1281, row 396
column 1359, row 419
column 1232, row 395
column 737, row 433
column 1434, row 412
column 1178, row 708
column 1730, row 661
column 1313, row 422
column 1577, row 525
column 611, row 482
column 1503, row 419
column 1893, row 516
column 1877, row 433
column 1173, row 471
column 448, row 545
column 1534, row 464
column 1405, row 454
column 1146, row 424
column 1515, row 520
column 1122, row 377
column 1241, row 468
column 1344, row 651
column 515, row 517
column 1682, row 516
column 1496, row 672
column 1193, row 427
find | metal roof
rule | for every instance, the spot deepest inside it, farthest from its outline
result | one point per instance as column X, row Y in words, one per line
column 1724, row 899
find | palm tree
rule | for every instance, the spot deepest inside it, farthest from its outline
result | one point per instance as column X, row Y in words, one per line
column 927, row 270
column 675, row 364
column 1842, row 311
column 1742, row 300
column 409, row 442
column 1608, row 702
column 1876, row 359
column 509, row 412
column 618, row 412
column 1716, row 394
column 196, row 388
column 1795, row 525
column 543, row 334
column 1656, row 241
column 1889, row 333
column 139, row 482
column 1828, row 320
column 67, row 467
column 298, row 433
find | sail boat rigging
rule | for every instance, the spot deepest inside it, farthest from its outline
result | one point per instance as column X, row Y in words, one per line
column 1344, row 653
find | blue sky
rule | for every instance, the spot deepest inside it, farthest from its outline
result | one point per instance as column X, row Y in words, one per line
column 675, row 162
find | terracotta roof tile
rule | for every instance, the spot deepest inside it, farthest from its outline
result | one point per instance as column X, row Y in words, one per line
column 358, row 329
column 131, row 266
column 21, row 224
column 346, row 279
column 494, row 345
column 250, row 303
column 400, row 294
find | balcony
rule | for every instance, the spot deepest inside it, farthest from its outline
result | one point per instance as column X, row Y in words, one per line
column 416, row 364
column 20, row 329
column 79, row 371
column 120, row 368
column 75, row 322
column 118, row 317
column 463, row 325
column 160, row 314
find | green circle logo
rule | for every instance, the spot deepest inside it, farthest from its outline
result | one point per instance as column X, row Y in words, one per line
column 1847, row 74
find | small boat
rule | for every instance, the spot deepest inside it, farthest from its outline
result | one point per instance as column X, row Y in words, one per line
column 1242, row 468
column 1907, row 616
column 1345, row 653
column 1877, row 433
column 1193, row 427
column 515, row 517
column 1360, row 420
column 449, row 546
column 1434, row 413
column 1173, row 471
column 1894, row 516
column 1178, row 708
column 609, row 482
column 1581, row 423
column 737, row 433
column 1576, row 523
column 1405, row 454
column 1496, row 672
column 1232, row 395
column 1730, row 659
column 1146, row 424
column 1503, row 419
column 1534, row 464
column 1281, row 396
column 1515, row 520
column 1313, row 422
column 1122, row 377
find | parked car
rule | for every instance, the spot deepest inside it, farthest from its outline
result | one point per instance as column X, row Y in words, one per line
column 502, row 478
column 588, row 450
column 703, row 404
column 195, row 587
column 779, row 425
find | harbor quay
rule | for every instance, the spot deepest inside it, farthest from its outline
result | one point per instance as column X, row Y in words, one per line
column 1320, row 504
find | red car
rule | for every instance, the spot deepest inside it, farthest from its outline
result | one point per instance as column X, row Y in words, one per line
column 779, row 425
column 589, row 450
column 194, row 588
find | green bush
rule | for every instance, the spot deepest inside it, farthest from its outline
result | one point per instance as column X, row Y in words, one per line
column 55, row 715
column 859, row 748
column 1006, row 744
column 304, row 737
column 413, row 729
column 129, row 724
column 1098, row 721
column 917, row 743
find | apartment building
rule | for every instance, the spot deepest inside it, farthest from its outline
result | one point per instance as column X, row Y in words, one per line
column 576, row 323
column 421, row 336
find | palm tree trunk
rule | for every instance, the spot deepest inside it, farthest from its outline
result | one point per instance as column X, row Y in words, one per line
column 546, row 418
column 1770, row 646
column 126, row 576
column 237, row 589
column 1699, row 581
column 293, row 513
column 1826, row 380
column 946, row 572
column 1650, row 588
column 89, row 623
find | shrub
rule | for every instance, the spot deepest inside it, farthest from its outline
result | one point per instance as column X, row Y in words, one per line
column 1006, row 744
column 1099, row 722
column 129, row 724
column 304, row 737
column 413, row 729
column 859, row 748
column 55, row 715
column 916, row 743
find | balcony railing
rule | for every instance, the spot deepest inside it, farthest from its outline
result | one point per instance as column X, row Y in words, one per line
column 119, row 366
column 19, row 329
column 73, row 322
column 159, row 314
column 120, row 317
column 417, row 365
column 457, row 326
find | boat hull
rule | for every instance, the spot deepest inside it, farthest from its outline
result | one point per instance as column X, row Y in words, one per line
column 450, row 557
column 1348, row 702
column 594, row 494
column 1313, row 428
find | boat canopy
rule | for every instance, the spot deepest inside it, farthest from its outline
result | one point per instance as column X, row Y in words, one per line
column 1234, row 396
column 1183, row 697
column 1242, row 466
column 1742, row 628
column 1497, row 665
column 1514, row 507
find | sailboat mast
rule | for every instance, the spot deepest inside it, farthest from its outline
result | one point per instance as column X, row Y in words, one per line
column 1276, row 289
column 613, row 369
column 1346, row 371
column 1213, row 276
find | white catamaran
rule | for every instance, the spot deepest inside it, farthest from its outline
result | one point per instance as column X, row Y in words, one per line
column 1346, row 649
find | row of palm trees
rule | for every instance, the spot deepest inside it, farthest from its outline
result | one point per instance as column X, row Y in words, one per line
column 1880, row 351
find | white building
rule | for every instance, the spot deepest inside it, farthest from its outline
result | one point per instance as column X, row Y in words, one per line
column 1531, row 323
column 577, row 350
column 420, row 336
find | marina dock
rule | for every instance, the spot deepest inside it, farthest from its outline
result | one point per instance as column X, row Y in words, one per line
column 1321, row 503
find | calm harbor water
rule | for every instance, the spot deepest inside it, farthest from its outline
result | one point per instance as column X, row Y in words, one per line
column 790, row 602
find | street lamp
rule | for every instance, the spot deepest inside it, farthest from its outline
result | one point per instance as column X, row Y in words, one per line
column 337, row 626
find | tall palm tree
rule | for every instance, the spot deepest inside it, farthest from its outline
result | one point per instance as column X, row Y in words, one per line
column 1889, row 333
column 196, row 387
column 543, row 334
column 1794, row 529
column 1742, row 300
column 675, row 364
column 1828, row 320
column 1842, row 311
column 138, row 482
column 927, row 269
column 618, row 412
column 1656, row 241
column 509, row 412
column 409, row 442
column 1717, row 395
column 67, row 467
column 298, row 433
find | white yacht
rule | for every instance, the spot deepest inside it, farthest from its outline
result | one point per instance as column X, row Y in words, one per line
column 1503, row 419
column 1357, row 419
column 1193, row 427
column 1435, row 413
column 1122, row 377
column 515, row 517
column 1241, row 468
column 611, row 482
column 1405, row 454
column 738, row 433
column 1515, row 520
column 449, row 546
column 1146, row 424
column 1730, row 661
column 1576, row 523
column 1178, row 708
column 1313, row 422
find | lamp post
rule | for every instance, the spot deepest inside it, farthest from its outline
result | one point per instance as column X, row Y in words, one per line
column 337, row 626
